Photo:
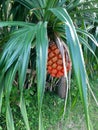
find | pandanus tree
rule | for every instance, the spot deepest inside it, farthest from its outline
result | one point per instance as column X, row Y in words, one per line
column 35, row 24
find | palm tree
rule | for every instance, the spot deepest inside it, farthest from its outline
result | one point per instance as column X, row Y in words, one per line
column 30, row 24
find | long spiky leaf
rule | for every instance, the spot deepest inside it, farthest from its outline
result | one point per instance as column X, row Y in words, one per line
column 19, row 45
column 41, row 50
column 76, row 55
column 15, row 23
column 8, row 85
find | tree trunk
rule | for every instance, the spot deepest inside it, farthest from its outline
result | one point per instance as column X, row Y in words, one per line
column 62, row 87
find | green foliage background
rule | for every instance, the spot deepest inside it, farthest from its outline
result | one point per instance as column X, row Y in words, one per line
column 26, row 24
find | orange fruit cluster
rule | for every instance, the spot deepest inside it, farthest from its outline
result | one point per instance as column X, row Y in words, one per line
column 55, row 64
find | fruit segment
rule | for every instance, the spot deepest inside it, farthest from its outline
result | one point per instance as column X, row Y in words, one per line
column 55, row 64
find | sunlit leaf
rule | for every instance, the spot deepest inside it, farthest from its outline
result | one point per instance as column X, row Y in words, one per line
column 14, row 23
column 41, row 61
column 76, row 55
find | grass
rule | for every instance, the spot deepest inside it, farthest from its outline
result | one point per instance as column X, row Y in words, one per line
column 74, row 118
column 52, row 110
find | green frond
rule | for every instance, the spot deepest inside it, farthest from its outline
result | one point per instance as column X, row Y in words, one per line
column 69, row 19
column 41, row 62
column 76, row 55
column 15, row 59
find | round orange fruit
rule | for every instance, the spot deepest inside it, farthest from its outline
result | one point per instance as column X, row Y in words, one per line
column 55, row 64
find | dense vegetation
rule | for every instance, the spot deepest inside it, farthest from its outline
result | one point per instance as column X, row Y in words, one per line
column 26, row 28
column 53, row 108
